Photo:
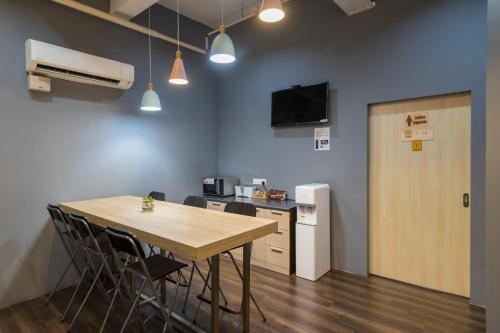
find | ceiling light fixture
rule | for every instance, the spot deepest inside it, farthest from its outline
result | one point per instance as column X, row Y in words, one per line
column 178, row 74
column 222, row 50
column 150, row 100
column 271, row 11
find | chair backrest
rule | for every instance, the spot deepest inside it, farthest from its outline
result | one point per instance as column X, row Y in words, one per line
column 160, row 196
column 193, row 201
column 241, row 208
column 123, row 241
column 56, row 214
column 81, row 225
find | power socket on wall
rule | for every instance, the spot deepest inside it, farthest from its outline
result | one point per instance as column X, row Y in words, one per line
column 259, row 181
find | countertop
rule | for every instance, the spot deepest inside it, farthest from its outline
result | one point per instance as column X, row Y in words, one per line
column 285, row 205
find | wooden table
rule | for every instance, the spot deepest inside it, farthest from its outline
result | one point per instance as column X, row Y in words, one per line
column 189, row 232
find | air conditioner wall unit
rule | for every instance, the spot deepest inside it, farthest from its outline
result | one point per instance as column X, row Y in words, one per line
column 58, row 62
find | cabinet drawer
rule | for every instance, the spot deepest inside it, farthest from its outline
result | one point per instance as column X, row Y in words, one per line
column 281, row 239
column 277, row 256
column 216, row 205
column 283, row 218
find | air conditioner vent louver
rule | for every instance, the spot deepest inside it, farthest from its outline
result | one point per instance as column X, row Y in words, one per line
column 57, row 70
column 351, row 7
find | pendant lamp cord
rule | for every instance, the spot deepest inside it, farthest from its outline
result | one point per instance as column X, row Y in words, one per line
column 149, row 41
column 222, row 10
column 178, row 28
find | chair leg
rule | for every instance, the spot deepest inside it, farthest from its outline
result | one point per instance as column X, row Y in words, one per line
column 116, row 292
column 251, row 295
column 70, row 263
column 63, row 317
column 203, row 292
column 86, row 297
column 133, row 307
column 188, row 288
column 152, row 251
column 171, row 256
column 172, row 304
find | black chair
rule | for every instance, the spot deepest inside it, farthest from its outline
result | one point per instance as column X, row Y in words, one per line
column 195, row 201
column 88, row 234
column 150, row 270
column 159, row 196
column 70, row 241
column 240, row 208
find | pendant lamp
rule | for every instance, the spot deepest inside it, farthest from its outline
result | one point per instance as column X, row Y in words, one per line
column 222, row 50
column 271, row 11
column 178, row 74
column 150, row 100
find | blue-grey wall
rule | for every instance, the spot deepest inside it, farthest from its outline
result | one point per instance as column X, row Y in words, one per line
column 401, row 49
column 83, row 141
column 492, row 169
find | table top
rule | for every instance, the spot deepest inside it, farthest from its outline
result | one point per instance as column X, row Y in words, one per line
column 190, row 232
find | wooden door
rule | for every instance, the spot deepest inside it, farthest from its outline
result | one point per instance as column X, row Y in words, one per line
column 419, row 227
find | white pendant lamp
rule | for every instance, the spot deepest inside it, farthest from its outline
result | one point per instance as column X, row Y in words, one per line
column 222, row 50
column 150, row 100
column 178, row 74
column 271, row 11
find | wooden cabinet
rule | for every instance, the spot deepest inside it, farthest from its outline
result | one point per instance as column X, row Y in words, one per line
column 216, row 205
column 276, row 251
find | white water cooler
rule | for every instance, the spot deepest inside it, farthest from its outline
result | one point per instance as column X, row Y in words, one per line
column 312, row 238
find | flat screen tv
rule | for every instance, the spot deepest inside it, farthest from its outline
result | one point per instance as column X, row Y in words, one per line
column 300, row 105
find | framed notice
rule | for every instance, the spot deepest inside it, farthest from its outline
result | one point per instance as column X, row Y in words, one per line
column 322, row 138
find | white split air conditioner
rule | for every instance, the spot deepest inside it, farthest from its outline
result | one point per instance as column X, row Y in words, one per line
column 57, row 62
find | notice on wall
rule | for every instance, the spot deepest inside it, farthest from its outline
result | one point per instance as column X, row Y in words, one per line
column 416, row 119
column 416, row 127
column 414, row 134
column 322, row 138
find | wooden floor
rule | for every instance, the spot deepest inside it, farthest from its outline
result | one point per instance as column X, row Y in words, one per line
column 338, row 302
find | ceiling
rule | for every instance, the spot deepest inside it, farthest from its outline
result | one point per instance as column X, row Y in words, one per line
column 208, row 12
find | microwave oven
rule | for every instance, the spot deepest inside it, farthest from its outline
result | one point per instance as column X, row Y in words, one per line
column 220, row 186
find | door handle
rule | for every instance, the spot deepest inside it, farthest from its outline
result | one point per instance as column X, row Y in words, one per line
column 466, row 200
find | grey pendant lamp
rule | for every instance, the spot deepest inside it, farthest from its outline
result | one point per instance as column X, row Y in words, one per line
column 222, row 50
column 150, row 100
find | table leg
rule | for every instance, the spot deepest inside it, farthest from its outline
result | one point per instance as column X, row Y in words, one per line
column 247, row 250
column 215, row 294
column 163, row 287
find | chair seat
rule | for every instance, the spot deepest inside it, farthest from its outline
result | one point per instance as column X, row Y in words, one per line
column 158, row 266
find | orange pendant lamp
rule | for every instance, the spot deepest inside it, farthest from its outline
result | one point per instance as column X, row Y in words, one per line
column 178, row 75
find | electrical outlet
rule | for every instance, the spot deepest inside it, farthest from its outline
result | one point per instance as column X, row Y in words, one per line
column 259, row 181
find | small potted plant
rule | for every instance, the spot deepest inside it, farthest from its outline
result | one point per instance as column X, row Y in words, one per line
column 148, row 204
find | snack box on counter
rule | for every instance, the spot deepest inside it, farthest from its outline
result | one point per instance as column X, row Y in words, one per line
column 271, row 194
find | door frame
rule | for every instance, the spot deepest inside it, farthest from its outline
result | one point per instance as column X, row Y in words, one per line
column 471, row 195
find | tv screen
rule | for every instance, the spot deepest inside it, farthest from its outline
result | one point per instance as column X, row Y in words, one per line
column 300, row 105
